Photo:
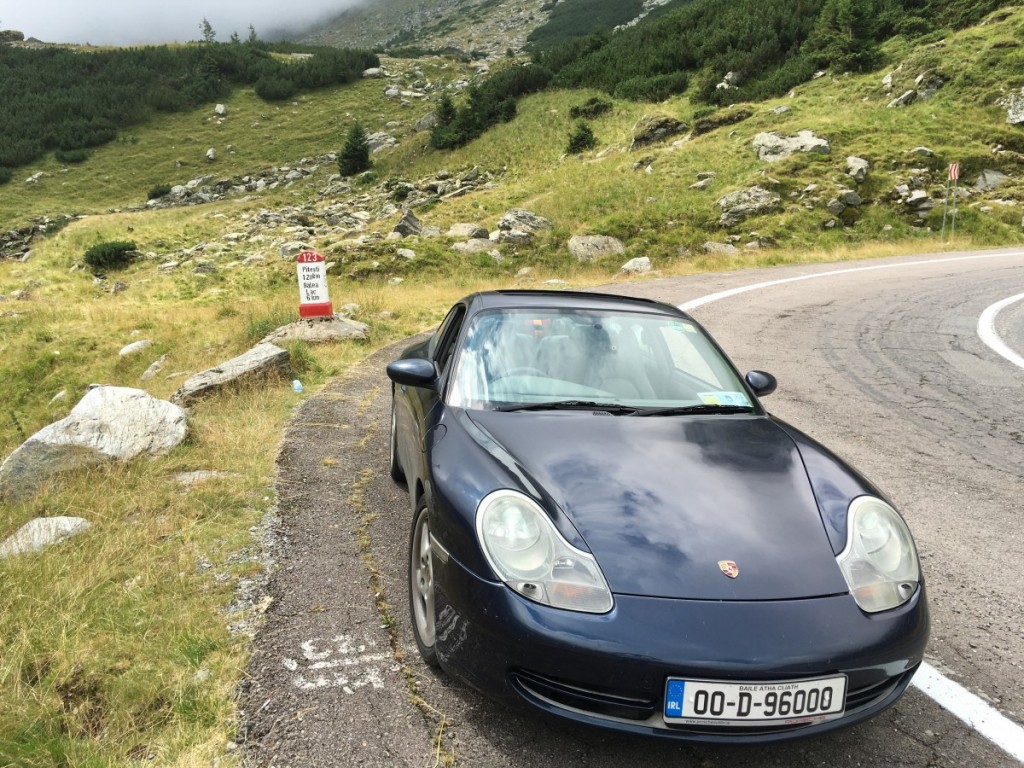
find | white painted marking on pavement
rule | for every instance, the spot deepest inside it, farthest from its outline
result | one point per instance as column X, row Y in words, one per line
column 701, row 301
column 973, row 710
column 987, row 330
column 952, row 697
column 357, row 665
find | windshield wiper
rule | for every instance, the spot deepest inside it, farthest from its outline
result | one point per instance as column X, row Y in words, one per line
column 681, row 410
column 569, row 405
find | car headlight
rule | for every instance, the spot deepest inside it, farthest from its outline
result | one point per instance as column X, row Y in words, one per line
column 528, row 553
column 880, row 561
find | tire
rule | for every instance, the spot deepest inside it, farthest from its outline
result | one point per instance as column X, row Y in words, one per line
column 395, row 466
column 421, row 586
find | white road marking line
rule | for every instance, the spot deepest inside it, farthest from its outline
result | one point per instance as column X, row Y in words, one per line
column 702, row 300
column 355, row 663
column 951, row 696
column 973, row 710
column 987, row 330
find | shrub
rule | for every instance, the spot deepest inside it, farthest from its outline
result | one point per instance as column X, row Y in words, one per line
column 591, row 108
column 581, row 139
column 5, row 175
column 116, row 254
column 158, row 191
column 71, row 156
column 274, row 88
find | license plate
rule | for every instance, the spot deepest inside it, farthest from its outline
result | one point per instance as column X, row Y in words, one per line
column 793, row 702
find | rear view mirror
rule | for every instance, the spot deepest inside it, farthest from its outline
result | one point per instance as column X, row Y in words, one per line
column 413, row 372
column 762, row 383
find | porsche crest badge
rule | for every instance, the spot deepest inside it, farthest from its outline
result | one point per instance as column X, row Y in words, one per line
column 729, row 568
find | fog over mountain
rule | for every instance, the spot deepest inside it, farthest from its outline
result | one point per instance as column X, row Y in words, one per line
column 133, row 22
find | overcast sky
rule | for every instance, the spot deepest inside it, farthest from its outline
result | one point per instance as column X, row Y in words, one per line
column 125, row 22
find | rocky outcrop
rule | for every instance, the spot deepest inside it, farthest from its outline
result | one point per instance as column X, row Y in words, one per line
column 586, row 248
column 771, row 147
column 857, row 168
column 408, row 225
column 519, row 226
column 990, row 180
column 719, row 119
column 905, row 99
column 261, row 362
column 468, row 231
column 109, row 423
column 1014, row 104
column 738, row 206
column 651, row 129
column 641, row 265
column 319, row 330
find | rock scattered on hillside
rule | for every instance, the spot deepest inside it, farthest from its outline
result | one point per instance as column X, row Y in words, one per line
column 519, row 226
column 857, row 168
column 109, row 423
column 409, row 225
column 586, row 248
column 319, row 330
column 720, row 249
column 40, row 533
column 770, row 146
column 651, row 129
column 740, row 205
column 261, row 362
column 990, row 179
column 1014, row 104
column 641, row 265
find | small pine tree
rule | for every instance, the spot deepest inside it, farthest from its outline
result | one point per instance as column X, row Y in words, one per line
column 355, row 155
column 252, row 39
column 445, row 111
column 581, row 139
column 209, row 36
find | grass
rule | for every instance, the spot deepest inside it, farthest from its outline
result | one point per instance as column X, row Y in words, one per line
column 114, row 647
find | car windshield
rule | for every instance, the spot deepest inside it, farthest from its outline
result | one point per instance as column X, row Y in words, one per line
column 576, row 358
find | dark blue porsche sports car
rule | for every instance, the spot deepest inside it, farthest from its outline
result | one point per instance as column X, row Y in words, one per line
column 608, row 526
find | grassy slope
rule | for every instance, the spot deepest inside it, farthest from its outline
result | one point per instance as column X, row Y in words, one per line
column 101, row 639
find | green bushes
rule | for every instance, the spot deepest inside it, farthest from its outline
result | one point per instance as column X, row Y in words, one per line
column 275, row 88
column 492, row 102
column 591, row 108
column 160, row 190
column 581, row 139
column 113, row 255
column 71, row 156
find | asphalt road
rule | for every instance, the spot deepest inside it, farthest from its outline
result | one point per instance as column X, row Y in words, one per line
column 883, row 365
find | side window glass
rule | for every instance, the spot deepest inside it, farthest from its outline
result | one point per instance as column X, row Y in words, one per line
column 446, row 339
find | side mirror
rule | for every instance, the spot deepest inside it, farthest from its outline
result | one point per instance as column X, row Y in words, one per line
column 413, row 372
column 762, row 383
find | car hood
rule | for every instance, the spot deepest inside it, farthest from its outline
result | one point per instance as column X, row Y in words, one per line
column 660, row 501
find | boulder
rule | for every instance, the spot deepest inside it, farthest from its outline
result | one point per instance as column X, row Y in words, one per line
column 720, row 249
column 589, row 247
column 109, row 423
column 719, row 119
column 641, row 265
column 651, row 129
column 1014, row 104
column 380, row 140
column 261, row 362
column 211, row 155
column 474, row 245
column 990, row 180
column 135, row 347
column 469, row 231
column 738, row 206
column 523, row 220
column 905, row 99
column 770, row 146
column 519, row 226
column 408, row 225
column 318, row 330
column 220, row 110
column 373, row 72
column 37, row 534
column 857, row 168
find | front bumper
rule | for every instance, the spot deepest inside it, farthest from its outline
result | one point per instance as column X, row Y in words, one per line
column 610, row 670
